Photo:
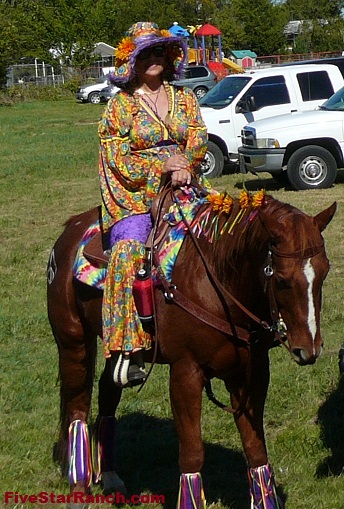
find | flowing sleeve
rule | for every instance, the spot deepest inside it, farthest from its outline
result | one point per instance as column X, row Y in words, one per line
column 116, row 160
column 128, row 178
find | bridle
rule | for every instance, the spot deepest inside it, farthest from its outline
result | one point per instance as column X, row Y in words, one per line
column 268, row 270
column 173, row 294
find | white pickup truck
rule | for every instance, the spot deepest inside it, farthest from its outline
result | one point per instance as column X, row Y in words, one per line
column 303, row 149
column 242, row 98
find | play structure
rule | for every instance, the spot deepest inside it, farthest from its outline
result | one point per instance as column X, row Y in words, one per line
column 207, row 47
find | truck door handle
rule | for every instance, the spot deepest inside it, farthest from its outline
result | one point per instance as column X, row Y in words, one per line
column 293, row 111
column 228, row 121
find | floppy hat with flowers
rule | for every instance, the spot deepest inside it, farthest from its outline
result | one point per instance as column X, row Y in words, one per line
column 139, row 37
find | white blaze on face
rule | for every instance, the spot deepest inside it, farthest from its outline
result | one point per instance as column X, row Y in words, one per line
column 310, row 275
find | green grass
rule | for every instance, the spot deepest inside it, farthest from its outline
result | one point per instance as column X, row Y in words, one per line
column 48, row 171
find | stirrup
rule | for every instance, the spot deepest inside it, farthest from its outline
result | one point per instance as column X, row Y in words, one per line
column 129, row 370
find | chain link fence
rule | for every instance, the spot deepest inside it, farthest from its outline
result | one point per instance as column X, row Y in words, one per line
column 41, row 74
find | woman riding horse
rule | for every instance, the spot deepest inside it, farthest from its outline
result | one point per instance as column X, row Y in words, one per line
column 149, row 129
column 241, row 264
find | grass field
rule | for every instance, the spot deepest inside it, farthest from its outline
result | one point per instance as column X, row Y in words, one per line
column 48, row 171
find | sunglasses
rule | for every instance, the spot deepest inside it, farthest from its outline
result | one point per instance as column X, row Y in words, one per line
column 156, row 51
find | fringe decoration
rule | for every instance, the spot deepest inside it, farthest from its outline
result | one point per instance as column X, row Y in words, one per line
column 103, row 446
column 263, row 488
column 206, row 222
column 79, row 454
column 191, row 494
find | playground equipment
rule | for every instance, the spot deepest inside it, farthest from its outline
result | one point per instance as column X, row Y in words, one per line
column 207, row 47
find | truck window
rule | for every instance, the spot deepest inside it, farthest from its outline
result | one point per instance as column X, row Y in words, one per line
column 268, row 92
column 315, row 85
column 225, row 91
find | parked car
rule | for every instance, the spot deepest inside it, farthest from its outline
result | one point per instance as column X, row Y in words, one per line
column 90, row 93
column 107, row 93
column 199, row 78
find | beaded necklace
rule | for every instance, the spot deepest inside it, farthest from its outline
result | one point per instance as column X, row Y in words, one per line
column 153, row 103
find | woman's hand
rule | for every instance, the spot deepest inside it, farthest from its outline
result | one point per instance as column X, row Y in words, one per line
column 178, row 166
column 181, row 178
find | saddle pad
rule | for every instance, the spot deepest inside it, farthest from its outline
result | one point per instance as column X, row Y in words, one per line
column 93, row 274
column 89, row 273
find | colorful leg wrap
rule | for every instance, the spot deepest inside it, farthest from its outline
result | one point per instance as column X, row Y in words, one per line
column 263, row 488
column 80, row 469
column 103, row 446
column 191, row 494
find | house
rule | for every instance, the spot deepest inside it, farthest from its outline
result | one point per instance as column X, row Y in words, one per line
column 106, row 54
column 245, row 57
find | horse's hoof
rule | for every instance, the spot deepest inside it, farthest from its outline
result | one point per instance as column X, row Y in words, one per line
column 112, row 483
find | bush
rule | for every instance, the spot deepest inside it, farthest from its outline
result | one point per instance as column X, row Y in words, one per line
column 29, row 92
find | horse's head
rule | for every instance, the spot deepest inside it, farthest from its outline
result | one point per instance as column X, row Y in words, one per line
column 299, row 267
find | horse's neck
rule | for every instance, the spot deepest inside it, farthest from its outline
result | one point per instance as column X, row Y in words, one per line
column 240, row 255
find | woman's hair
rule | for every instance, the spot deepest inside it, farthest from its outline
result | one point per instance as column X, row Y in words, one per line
column 168, row 75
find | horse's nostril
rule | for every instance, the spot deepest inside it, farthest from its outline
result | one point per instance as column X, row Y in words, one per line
column 301, row 357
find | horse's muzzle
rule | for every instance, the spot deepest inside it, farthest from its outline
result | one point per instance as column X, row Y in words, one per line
column 303, row 357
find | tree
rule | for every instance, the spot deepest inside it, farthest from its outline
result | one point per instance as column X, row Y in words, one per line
column 246, row 25
column 322, row 24
column 314, row 9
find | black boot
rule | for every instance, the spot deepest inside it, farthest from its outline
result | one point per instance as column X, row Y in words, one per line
column 128, row 369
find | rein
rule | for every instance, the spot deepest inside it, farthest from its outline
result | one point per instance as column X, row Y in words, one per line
column 172, row 293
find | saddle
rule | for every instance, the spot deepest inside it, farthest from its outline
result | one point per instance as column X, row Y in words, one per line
column 97, row 251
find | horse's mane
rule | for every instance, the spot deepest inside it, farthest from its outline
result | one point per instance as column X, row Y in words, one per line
column 245, row 233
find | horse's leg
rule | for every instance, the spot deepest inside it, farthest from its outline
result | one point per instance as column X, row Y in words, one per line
column 77, row 353
column 104, row 434
column 186, row 385
column 250, row 425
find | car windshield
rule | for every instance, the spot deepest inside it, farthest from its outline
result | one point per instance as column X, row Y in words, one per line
column 335, row 102
column 224, row 92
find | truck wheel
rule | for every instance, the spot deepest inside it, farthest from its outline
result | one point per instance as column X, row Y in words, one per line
column 311, row 167
column 213, row 162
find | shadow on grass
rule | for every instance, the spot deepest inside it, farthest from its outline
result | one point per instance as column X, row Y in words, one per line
column 269, row 184
column 147, row 458
column 331, row 421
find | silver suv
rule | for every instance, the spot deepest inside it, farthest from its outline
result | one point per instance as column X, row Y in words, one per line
column 199, row 78
column 90, row 93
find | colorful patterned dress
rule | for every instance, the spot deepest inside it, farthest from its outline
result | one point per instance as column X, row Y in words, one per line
column 134, row 145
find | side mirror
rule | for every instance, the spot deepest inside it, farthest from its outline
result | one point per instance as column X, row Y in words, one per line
column 246, row 105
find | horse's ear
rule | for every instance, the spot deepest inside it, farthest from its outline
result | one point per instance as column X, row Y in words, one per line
column 323, row 218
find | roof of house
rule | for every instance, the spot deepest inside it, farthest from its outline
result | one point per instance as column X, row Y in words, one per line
column 103, row 49
column 242, row 53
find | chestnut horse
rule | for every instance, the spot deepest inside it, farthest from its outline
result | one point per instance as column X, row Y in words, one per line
column 219, row 320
